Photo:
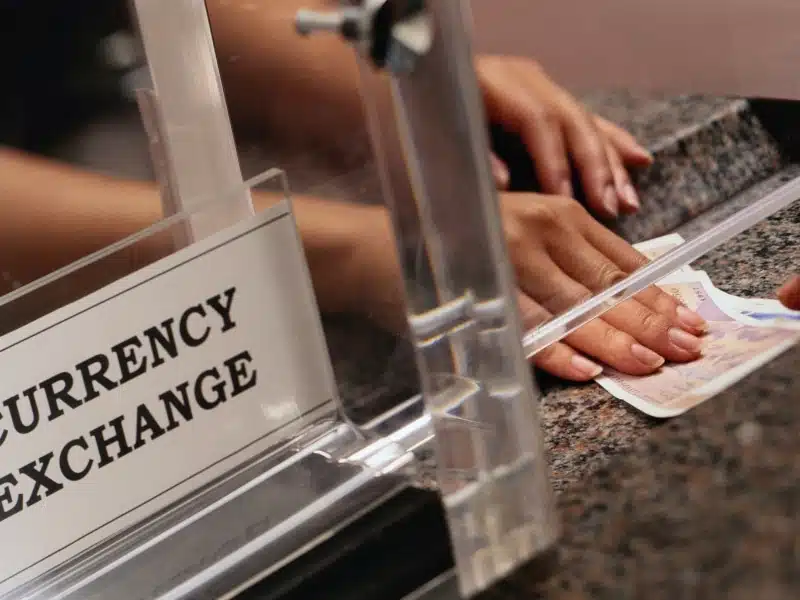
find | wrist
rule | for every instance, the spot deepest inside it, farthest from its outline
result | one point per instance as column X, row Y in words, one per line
column 350, row 254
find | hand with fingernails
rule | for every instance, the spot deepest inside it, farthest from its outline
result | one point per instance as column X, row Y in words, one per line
column 637, row 337
column 559, row 132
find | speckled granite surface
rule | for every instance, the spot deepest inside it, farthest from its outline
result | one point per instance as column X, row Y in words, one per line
column 703, row 506
column 707, row 150
column 706, row 507
column 585, row 427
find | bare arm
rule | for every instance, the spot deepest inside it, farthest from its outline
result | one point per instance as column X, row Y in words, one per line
column 52, row 215
column 279, row 82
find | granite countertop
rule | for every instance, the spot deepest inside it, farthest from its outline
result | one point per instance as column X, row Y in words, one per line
column 703, row 507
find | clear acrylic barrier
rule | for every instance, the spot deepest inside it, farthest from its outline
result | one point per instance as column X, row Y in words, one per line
column 714, row 153
column 726, row 163
column 260, row 508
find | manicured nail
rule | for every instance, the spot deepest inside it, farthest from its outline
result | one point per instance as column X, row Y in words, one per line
column 566, row 190
column 646, row 356
column 585, row 366
column 684, row 340
column 610, row 201
column 691, row 319
column 500, row 172
column 629, row 196
column 645, row 155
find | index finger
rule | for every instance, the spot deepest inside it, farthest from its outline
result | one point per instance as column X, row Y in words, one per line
column 588, row 150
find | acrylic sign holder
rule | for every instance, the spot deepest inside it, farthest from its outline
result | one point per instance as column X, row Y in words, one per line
column 253, row 517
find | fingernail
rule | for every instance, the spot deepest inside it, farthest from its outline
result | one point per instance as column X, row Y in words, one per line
column 630, row 197
column 610, row 201
column 646, row 356
column 566, row 189
column 691, row 319
column 643, row 152
column 684, row 340
column 501, row 175
column 585, row 366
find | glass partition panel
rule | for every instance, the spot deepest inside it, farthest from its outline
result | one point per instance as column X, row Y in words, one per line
column 269, row 493
column 133, row 203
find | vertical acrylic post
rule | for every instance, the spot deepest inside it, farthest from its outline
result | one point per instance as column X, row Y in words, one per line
column 477, row 383
column 196, row 130
column 431, row 139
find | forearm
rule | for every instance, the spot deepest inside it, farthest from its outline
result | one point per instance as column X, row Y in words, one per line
column 52, row 215
column 350, row 255
column 279, row 82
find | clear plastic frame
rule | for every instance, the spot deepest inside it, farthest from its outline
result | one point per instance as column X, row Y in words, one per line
column 251, row 513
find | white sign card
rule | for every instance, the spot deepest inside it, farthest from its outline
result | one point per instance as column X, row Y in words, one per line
column 123, row 402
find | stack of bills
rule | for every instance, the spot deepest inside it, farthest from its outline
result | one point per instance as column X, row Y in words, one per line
column 743, row 335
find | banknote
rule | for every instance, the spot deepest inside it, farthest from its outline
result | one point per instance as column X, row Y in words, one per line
column 764, row 312
column 754, row 311
column 659, row 246
column 732, row 349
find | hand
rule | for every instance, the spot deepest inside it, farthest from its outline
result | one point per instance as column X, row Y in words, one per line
column 789, row 293
column 562, row 256
column 557, row 130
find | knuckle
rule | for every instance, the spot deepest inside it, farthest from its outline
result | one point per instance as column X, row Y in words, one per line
column 614, row 339
column 652, row 321
column 515, row 238
column 541, row 213
column 557, row 298
column 609, row 274
column 592, row 150
column 563, row 204
column 538, row 113
column 557, row 168
column 550, row 117
column 664, row 303
column 547, row 355
column 549, row 297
